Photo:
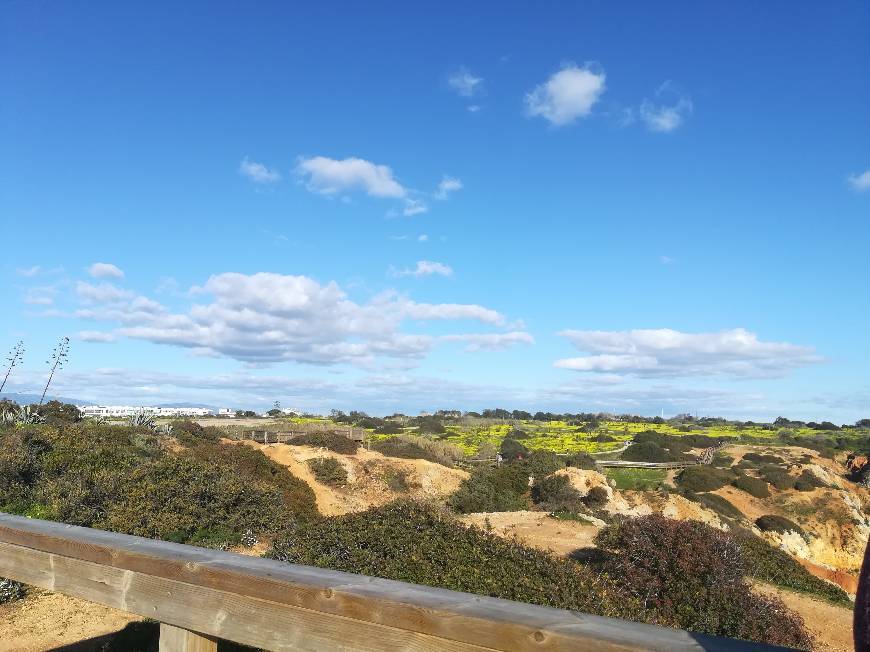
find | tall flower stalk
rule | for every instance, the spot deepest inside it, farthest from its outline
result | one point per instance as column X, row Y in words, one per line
column 16, row 355
column 58, row 359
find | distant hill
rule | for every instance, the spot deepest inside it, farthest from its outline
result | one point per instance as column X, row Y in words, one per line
column 27, row 399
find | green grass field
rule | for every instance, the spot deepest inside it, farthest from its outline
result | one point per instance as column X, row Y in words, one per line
column 637, row 479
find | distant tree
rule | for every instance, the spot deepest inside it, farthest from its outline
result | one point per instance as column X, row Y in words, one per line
column 521, row 415
column 274, row 412
column 862, row 423
column 57, row 412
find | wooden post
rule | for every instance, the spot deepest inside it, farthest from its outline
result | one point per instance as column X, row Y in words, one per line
column 175, row 639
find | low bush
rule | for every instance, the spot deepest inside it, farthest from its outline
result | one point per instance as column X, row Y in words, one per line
column 703, row 478
column 649, row 557
column 717, row 503
column 421, row 448
column 397, row 480
column 554, row 493
column 580, row 461
column 763, row 458
column 492, row 489
column 596, row 498
column 774, row 523
column 333, row 441
column 517, row 433
column 774, row 566
column 778, row 477
column 389, row 428
column 807, row 481
column 414, row 543
column 753, row 486
column 328, row 471
column 190, row 432
column 511, row 449
column 541, row 463
column 648, row 451
column 722, row 461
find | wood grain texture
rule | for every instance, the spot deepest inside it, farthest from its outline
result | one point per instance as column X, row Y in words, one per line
column 279, row 606
column 175, row 639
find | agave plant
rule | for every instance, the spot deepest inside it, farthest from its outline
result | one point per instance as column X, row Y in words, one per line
column 143, row 419
column 15, row 415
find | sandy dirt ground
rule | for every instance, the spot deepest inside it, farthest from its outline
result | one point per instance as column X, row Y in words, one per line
column 44, row 621
column 537, row 529
column 830, row 625
column 366, row 472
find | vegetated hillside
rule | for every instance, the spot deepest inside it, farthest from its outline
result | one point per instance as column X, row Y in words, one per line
column 188, row 487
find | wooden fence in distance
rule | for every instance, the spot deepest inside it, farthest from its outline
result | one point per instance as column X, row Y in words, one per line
column 201, row 595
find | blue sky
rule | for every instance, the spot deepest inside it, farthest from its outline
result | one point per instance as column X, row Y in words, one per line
column 403, row 206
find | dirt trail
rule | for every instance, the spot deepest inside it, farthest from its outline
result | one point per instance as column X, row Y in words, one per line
column 830, row 625
column 537, row 529
column 44, row 621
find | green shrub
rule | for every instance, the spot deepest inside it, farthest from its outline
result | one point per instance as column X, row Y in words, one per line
column 778, row 477
column 774, row 566
column 397, row 480
column 774, row 523
column 517, row 433
column 763, row 458
column 596, row 498
column 541, row 463
column 703, row 478
column 492, row 489
column 511, row 449
column 753, row 486
column 722, row 461
column 332, row 441
column 649, row 557
column 420, row 448
column 414, row 543
column 580, row 461
column 554, row 493
column 190, row 432
column 389, row 428
column 648, row 451
column 807, row 481
column 328, row 471
column 717, row 503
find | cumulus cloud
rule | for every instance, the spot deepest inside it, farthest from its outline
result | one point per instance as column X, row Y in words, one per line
column 330, row 176
column 567, row 95
column 96, row 336
column 664, row 352
column 257, row 172
column 265, row 317
column 425, row 268
column 676, row 106
column 860, row 182
column 423, row 238
column 447, row 186
column 464, row 83
column 490, row 341
column 414, row 207
column 105, row 270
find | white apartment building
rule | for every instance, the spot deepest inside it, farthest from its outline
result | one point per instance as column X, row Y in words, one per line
column 131, row 410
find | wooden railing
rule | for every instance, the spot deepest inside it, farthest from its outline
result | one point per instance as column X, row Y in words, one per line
column 201, row 595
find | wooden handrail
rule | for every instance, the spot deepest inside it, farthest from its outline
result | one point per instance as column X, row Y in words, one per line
column 201, row 595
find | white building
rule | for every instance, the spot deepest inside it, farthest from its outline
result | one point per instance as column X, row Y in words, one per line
column 226, row 412
column 108, row 411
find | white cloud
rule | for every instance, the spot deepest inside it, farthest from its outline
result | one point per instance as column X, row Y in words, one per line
column 490, row 341
column 860, row 182
column 665, row 352
column 105, row 270
column 414, row 207
column 29, row 272
column 667, row 260
column 422, row 238
column 425, row 268
column 257, row 172
column 447, row 186
column 329, row 176
column 567, row 95
column 266, row 317
column 474, row 108
column 666, row 117
column 464, row 83
column 96, row 336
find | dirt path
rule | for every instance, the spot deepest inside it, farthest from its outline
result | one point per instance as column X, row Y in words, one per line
column 537, row 529
column 44, row 621
column 831, row 625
